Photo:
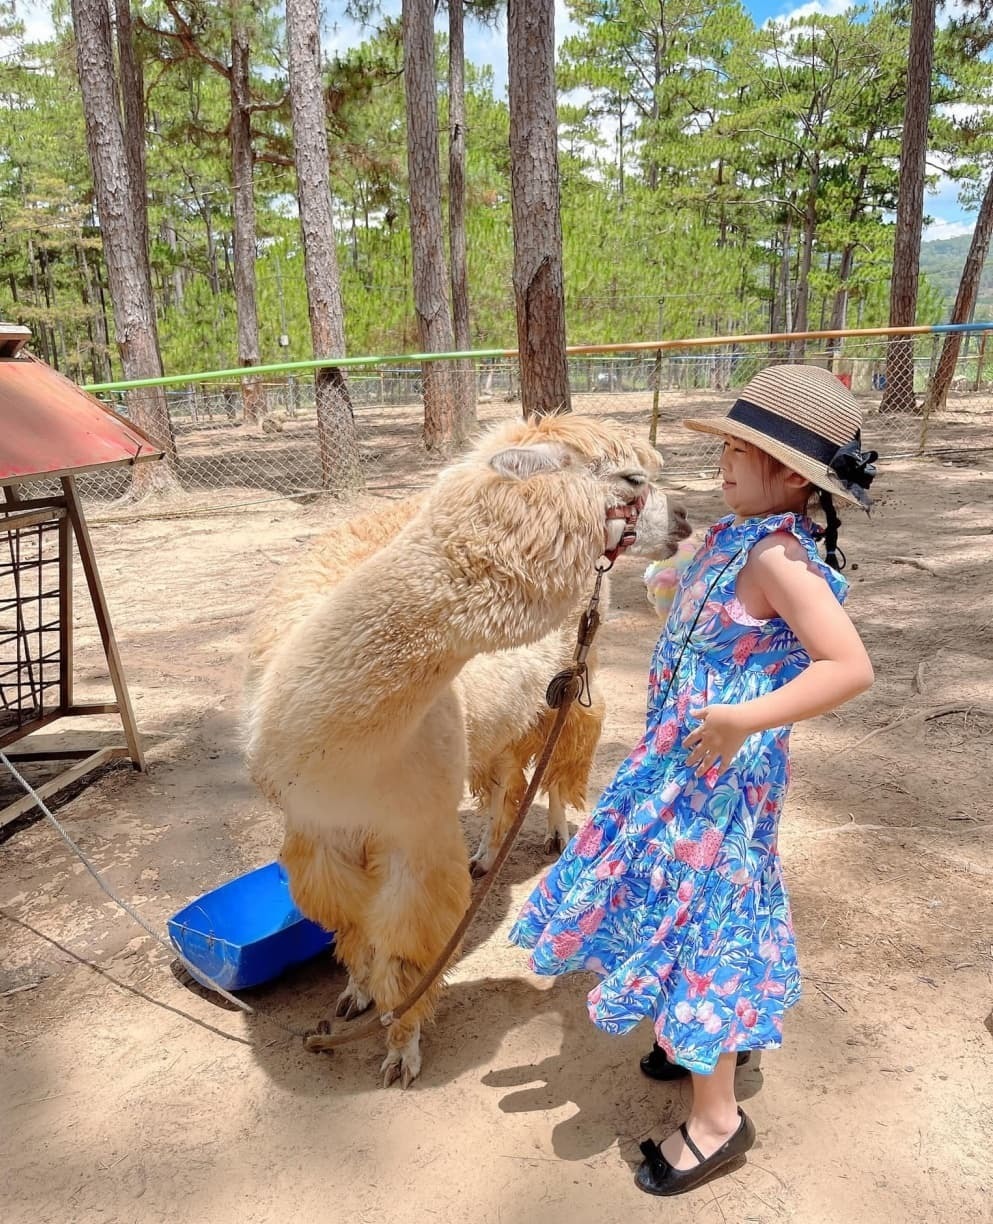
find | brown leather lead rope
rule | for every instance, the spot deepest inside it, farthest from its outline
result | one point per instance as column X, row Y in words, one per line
column 563, row 690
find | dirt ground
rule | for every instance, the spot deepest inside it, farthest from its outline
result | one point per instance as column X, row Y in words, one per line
column 128, row 1096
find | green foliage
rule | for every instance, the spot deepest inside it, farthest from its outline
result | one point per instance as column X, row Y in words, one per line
column 704, row 162
column 46, row 222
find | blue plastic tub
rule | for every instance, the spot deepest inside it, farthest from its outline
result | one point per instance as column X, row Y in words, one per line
column 246, row 932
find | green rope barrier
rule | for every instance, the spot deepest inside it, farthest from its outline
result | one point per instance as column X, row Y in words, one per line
column 573, row 350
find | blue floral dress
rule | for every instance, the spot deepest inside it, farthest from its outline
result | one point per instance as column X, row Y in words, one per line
column 673, row 891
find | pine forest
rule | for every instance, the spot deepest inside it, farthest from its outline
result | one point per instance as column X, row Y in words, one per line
column 715, row 176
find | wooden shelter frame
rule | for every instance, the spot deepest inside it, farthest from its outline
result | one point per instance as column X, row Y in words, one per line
column 65, row 516
column 43, row 618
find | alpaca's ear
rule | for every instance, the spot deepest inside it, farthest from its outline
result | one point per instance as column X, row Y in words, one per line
column 524, row 461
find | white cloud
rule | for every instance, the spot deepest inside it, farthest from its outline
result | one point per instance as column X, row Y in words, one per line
column 340, row 33
column 962, row 111
column 940, row 228
column 816, row 8
column 943, row 197
column 485, row 44
column 950, row 219
column 564, row 24
column 36, row 19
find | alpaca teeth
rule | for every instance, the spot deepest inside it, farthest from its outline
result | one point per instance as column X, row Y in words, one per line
column 615, row 529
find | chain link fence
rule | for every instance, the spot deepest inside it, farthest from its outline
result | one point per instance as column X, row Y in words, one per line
column 234, row 448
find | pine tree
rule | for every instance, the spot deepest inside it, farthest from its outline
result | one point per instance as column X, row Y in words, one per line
column 126, row 258
column 444, row 425
column 534, row 187
column 341, row 467
column 899, row 393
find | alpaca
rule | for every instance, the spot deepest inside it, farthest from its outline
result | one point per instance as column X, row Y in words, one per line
column 355, row 729
column 503, row 693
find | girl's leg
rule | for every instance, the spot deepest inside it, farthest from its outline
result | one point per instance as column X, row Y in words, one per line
column 713, row 1116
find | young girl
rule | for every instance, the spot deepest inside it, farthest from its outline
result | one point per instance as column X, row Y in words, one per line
column 673, row 892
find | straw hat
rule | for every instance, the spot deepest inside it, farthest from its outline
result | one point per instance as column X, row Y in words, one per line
column 807, row 419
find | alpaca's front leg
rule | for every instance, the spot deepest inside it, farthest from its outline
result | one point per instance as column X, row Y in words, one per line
column 422, row 901
column 330, row 885
column 504, row 799
column 558, row 825
column 482, row 860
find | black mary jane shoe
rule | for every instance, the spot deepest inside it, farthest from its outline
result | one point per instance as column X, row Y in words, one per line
column 657, row 1065
column 656, row 1175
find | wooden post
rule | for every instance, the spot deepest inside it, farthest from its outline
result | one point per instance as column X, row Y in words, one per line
column 88, row 558
column 65, row 612
column 979, row 361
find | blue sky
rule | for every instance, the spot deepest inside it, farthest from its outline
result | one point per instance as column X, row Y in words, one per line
column 485, row 46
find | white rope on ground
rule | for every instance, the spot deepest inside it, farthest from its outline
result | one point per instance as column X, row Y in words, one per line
column 197, row 973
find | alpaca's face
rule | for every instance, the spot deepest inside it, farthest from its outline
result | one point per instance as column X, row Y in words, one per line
column 624, row 484
column 622, row 464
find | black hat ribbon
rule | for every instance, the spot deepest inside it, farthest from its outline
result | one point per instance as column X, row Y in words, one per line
column 855, row 469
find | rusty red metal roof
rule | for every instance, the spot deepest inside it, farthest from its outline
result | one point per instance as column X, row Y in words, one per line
column 49, row 427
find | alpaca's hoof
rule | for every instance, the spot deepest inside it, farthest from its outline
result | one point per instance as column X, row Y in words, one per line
column 403, row 1065
column 352, row 1002
column 478, row 867
column 313, row 1039
column 554, row 843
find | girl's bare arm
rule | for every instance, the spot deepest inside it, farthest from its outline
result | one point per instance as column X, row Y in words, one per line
column 780, row 576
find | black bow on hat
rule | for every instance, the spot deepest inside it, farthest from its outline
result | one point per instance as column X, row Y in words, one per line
column 855, row 469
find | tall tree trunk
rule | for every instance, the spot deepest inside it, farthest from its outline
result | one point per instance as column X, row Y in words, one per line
column 965, row 301
column 134, row 316
column 465, row 379
column 783, row 315
column 36, row 289
column 620, row 149
column 802, row 316
column 658, row 73
column 534, row 191
column 48, row 331
column 96, row 324
column 839, row 308
column 133, row 109
column 214, row 275
column 443, row 424
column 341, row 467
column 899, row 393
column 242, row 167
column 179, row 274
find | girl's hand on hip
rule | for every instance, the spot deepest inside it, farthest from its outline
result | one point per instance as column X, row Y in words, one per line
column 722, row 731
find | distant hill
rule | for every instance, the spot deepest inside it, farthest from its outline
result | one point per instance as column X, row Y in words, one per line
column 942, row 263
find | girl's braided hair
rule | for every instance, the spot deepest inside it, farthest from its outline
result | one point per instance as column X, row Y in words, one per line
column 833, row 555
